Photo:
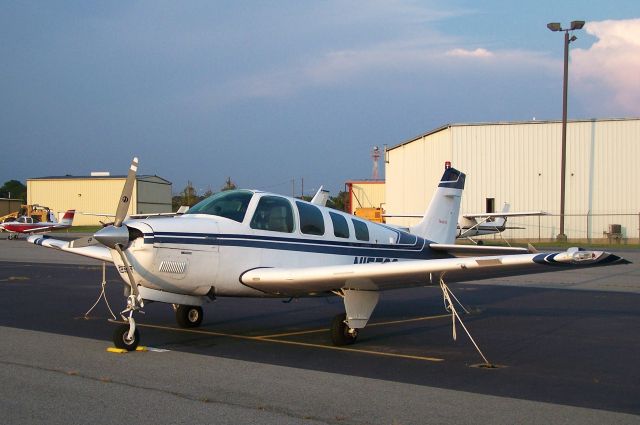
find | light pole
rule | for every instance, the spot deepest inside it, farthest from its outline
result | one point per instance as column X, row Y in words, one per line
column 555, row 26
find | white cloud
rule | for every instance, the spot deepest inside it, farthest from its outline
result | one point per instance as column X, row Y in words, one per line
column 477, row 53
column 608, row 71
column 403, row 59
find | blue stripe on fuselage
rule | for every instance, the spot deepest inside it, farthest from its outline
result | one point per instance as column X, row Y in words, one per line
column 418, row 250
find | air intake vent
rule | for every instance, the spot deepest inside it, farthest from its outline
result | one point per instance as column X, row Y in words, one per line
column 175, row 267
column 615, row 229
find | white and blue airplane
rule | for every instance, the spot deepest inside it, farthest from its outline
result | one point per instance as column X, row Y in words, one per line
column 249, row 243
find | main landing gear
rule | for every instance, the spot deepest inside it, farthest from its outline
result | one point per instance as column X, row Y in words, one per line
column 358, row 306
column 188, row 316
column 341, row 333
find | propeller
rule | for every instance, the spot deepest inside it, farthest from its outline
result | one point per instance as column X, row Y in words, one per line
column 116, row 236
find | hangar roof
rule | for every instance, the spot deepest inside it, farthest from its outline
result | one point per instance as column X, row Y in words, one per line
column 445, row 126
column 148, row 178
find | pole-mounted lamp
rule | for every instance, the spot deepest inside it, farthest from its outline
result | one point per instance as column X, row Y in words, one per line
column 555, row 26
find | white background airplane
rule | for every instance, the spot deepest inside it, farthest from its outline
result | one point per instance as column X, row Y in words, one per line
column 27, row 225
column 480, row 224
column 248, row 243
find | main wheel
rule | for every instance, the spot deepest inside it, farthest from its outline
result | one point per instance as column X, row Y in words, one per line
column 340, row 334
column 121, row 338
column 189, row 316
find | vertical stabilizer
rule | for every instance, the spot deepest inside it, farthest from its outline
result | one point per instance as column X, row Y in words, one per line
column 499, row 222
column 441, row 219
column 67, row 219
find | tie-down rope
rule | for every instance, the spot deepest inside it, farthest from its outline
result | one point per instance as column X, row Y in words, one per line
column 449, row 306
column 103, row 294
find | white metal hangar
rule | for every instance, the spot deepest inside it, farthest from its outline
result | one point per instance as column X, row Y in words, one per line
column 98, row 194
column 519, row 163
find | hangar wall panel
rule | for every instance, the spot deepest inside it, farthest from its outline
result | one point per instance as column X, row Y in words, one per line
column 519, row 163
column 414, row 169
column 151, row 194
column 366, row 194
column 98, row 196
column 154, row 196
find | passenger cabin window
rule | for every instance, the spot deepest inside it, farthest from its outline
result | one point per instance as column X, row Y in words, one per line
column 274, row 214
column 340, row 226
column 311, row 220
column 231, row 204
column 362, row 231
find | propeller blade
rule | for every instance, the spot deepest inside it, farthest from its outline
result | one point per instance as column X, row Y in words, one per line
column 127, row 191
column 132, row 283
column 82, row 242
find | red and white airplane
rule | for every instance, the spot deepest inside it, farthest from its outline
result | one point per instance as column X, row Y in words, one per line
column 27, row 225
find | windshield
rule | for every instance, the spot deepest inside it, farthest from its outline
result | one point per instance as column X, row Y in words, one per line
column 231, row 204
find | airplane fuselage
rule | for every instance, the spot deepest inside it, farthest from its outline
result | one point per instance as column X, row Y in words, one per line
column 15, row 227
column 202, row 254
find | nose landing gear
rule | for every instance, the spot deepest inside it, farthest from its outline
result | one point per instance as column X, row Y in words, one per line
column 126, row 336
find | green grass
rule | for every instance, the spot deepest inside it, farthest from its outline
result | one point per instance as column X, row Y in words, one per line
column 566, row 245
column 79, row 229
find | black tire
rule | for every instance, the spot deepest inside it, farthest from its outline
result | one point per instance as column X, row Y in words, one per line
column 189, row 316
column 120, row 338
column 340, row 331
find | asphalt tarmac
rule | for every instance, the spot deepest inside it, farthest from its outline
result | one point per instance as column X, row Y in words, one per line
column 565, row 345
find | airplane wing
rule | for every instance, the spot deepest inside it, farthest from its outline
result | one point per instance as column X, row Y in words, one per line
column 472, row 250
column 378, row 276
column 506, row 214
column 99, row 252
column 477, row 215
column 38, row 229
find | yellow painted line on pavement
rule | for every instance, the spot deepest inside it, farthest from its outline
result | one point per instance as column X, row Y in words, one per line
column 280, row 341
column 392, row 322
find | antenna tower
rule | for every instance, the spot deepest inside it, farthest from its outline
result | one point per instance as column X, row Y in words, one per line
column 375, row 156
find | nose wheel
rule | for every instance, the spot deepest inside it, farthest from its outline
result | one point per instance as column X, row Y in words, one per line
column 122, row 340
column 126, row 336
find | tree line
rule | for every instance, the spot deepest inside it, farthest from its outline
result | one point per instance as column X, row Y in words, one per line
column 13, row 189
column 189, row 196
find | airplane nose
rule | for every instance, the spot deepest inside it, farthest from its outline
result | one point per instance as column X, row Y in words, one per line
column 111, row 236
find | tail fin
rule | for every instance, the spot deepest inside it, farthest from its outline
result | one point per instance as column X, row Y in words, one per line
column 499, row 222
column 67, row 219
column 441, row 218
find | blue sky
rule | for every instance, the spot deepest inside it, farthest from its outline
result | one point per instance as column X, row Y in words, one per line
column 269, row 91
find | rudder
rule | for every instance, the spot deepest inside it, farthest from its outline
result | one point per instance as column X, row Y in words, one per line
column 440, row 221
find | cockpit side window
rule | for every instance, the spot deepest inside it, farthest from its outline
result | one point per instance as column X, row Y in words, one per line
column 274, row 214
column 311, row 219
column 231, row 204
